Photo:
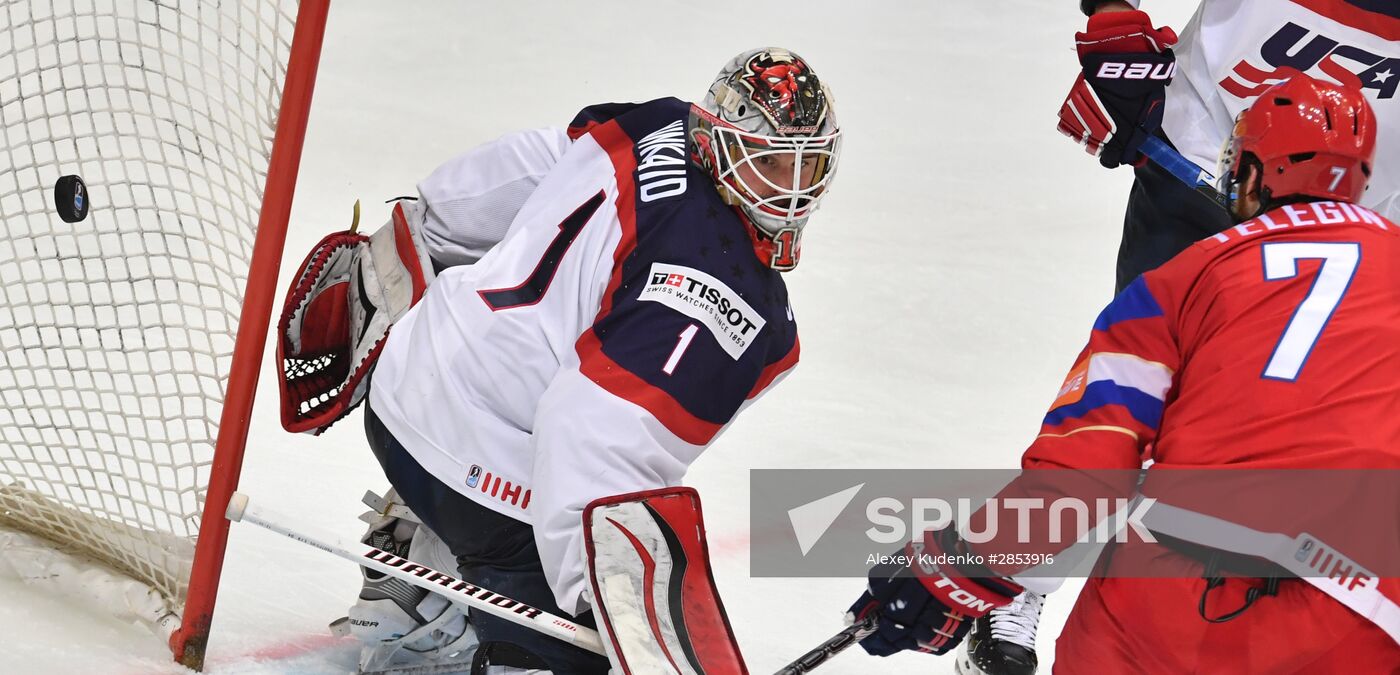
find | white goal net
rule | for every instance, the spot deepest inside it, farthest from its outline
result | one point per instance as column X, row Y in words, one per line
column 116, row 332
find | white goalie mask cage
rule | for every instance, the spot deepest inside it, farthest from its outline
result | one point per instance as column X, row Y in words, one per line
column 767, row 133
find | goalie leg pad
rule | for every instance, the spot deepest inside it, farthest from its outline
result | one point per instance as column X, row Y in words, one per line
column 652, row 587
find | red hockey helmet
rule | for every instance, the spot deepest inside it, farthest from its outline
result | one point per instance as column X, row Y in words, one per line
column 1310, row 138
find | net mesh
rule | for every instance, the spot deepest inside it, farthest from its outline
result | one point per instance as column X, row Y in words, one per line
column 116, row 332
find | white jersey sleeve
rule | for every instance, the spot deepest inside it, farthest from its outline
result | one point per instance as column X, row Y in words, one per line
column 472, row 199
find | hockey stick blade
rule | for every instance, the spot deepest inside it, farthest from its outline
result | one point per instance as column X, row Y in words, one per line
column 241, row 510
column 1182, row 169
column 852, row 634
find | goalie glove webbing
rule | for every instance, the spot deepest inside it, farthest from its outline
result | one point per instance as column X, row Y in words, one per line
column 347, row 294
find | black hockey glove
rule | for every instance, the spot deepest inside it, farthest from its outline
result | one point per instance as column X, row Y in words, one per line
column 1116, row 102
column 925, row 603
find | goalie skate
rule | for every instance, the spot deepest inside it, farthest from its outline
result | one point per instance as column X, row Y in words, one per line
column 404, row 628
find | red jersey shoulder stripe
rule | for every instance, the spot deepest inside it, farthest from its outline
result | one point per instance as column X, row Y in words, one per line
column 622, row 383
column 773, row 370
column 1383, row 21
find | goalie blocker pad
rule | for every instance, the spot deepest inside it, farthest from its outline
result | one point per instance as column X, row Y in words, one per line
column 346, row 295
column 653, row 591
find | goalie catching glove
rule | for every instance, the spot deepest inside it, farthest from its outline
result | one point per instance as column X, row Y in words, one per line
column 347, row 294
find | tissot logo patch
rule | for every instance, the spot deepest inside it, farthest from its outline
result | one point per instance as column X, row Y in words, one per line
column 708, row 300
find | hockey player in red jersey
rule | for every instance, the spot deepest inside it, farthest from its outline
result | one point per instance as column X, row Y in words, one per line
column 1140, row 80
column 607, row 299
column 1273, row 344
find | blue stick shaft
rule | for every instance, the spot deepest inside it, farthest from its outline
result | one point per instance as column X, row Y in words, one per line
column 1183, row 169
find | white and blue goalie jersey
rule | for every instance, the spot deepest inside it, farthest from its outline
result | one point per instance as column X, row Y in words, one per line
column 619, row 325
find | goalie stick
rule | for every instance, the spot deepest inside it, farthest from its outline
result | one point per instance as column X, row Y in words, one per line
column 462, row 592
column 241, row 509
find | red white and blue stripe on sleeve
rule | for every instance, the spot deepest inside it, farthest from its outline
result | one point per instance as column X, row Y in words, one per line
column 1110, row 405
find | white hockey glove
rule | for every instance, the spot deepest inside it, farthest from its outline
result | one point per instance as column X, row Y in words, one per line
column 347, row 294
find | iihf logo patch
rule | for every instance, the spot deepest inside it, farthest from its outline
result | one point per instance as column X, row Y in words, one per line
column 474, row 476
column 1304, row 551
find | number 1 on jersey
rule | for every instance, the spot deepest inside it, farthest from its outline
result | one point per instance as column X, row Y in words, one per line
column 682, row 344
column 1334, row 276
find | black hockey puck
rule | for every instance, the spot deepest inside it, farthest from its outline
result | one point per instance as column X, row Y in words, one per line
column 70, row 197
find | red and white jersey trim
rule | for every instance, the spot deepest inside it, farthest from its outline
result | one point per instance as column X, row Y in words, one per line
column 1230, row 49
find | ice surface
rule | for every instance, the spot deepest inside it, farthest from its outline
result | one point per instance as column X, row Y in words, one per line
column 945, row 287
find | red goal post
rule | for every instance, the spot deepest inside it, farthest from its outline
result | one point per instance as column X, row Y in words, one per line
column 189, row 641
column 124, row 337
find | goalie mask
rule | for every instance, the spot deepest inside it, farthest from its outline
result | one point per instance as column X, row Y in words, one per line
column 767, row 134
